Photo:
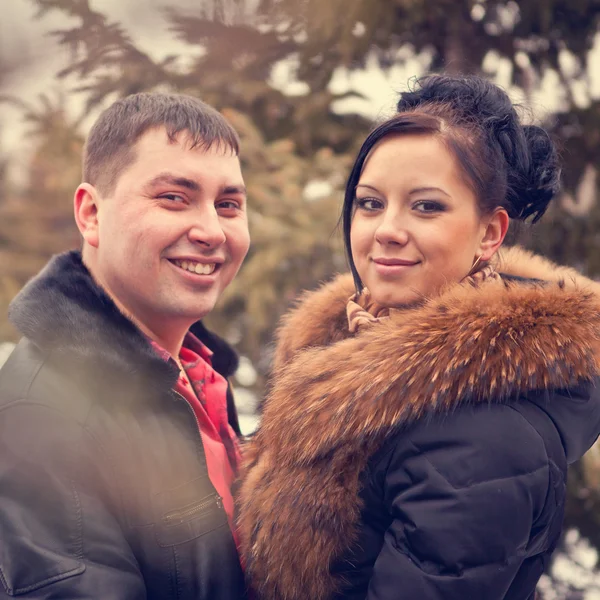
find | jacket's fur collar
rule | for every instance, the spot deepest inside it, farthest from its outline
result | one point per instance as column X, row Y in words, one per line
column 66, row 314
column 489, row 343
column 335, row 397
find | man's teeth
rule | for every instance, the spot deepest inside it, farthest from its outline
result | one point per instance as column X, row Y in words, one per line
column 195, row 267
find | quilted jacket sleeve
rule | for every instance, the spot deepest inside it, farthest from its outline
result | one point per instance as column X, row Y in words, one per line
column 465, row 493
column 58, row 538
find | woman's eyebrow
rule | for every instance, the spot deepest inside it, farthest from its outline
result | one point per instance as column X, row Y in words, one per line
column 371, row 187
column 413, row 191
column 429, row 189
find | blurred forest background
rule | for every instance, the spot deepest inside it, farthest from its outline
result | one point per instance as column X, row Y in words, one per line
column 295, row 78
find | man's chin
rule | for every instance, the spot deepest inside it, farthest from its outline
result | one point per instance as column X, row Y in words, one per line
column 196, row 312
column 186, row 311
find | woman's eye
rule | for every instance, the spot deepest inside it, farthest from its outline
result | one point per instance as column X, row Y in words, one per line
column 369, row 203
column 429, row 206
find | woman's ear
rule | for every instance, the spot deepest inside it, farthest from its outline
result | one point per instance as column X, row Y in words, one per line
column 86, row 204
column 494, row 233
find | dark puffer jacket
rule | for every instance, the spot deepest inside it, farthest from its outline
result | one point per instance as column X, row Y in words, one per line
column 104, row 491
column 424, row 458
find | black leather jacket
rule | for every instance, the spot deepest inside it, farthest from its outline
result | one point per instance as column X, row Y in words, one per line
column 104, row 491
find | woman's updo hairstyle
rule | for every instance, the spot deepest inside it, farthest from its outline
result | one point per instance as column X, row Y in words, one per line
column 508, row 164
column 516, row 165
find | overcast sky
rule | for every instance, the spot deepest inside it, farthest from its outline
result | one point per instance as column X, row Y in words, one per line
column 24, row 39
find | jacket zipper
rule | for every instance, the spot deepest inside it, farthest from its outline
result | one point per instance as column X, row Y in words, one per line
column 216, row 499
column 179, row 515
column 193, row 414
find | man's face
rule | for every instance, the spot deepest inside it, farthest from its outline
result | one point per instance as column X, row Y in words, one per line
column 173, row 233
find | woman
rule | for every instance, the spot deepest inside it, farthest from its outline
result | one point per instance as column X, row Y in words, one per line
column 416, row 438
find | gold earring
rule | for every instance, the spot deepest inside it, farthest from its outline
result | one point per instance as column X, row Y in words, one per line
column 474, row 266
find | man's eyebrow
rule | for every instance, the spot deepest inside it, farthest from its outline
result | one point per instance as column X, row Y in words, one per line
column 190, row 184
column 234, row 189
column 170, row 179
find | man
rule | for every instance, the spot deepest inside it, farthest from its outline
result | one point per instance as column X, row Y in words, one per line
column 116, row 450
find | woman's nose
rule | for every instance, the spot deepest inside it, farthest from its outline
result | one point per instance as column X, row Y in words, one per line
column 392, row 229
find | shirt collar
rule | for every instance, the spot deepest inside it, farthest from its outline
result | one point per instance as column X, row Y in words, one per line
column 191, row 342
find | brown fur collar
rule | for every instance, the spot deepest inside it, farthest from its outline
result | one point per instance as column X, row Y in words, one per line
column 334, row 399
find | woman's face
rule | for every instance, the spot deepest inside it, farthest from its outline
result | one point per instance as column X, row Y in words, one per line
column 416, row 223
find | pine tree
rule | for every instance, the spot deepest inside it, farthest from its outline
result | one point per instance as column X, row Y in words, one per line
column 292, row 145
column 37, row 221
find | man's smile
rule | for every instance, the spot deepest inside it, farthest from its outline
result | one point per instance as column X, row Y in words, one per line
column 198, row 268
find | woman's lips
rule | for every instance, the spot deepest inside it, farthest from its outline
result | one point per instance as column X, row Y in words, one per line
column 392, row 262
column 393, row 266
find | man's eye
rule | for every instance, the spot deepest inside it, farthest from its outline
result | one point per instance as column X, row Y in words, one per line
column 228, row 205
column 173, row 197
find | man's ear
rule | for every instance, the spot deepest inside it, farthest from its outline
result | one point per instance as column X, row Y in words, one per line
column 494, row 234
column 86, row 204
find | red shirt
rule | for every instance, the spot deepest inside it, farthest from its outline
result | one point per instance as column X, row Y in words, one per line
column 207, row 396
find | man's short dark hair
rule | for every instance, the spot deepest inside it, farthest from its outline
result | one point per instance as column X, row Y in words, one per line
column 109, row 148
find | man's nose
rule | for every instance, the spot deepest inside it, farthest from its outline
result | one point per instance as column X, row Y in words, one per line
column 206, row 228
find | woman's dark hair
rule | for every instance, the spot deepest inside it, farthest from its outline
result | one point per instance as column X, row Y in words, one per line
column 506, row 163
